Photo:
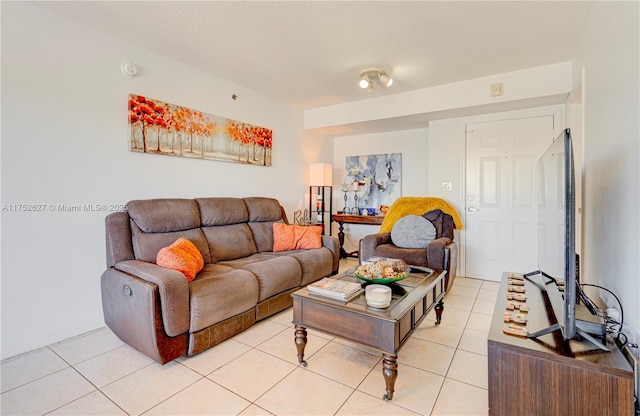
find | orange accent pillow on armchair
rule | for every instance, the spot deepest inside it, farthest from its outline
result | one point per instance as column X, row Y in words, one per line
column 294, row 237
column 183, row 256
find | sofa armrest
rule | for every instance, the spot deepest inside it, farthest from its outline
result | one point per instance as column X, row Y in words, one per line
column 333, row 245
column 436, row 253
column 442, row 254
column 173, row 289
column 369, row 243
column 451, row 250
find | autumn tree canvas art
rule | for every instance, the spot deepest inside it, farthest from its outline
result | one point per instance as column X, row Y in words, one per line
column 168, row 129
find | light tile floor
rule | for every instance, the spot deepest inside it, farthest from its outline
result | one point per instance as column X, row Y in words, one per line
column 442, row 371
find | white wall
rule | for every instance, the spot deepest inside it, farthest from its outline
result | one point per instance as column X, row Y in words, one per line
column 413, row 144
column 609, row 52
column 65, row 141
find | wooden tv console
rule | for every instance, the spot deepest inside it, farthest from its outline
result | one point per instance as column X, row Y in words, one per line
column 549, row 376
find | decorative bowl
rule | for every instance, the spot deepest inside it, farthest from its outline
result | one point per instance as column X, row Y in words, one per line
column 383, row 280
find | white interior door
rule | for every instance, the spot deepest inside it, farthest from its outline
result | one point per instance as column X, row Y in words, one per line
column 500, row 202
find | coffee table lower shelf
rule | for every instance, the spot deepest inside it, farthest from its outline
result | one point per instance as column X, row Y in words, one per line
column 385, row 330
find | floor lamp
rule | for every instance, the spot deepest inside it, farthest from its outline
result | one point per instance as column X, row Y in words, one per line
column 320, row 192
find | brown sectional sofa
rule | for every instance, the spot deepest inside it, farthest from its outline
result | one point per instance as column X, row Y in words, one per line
column 159, row 313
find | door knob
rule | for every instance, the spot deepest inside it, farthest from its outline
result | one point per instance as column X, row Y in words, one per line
column 472, row 209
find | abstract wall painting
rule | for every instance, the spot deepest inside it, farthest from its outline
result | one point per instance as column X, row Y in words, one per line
column 168, row 129
column 379, row 178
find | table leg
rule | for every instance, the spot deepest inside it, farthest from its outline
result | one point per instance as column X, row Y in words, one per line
column 390, row 373
column 301, row 342
column 343, row 254
column 439, row 308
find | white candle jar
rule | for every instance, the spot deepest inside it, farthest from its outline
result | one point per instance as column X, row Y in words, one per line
column 378, row 296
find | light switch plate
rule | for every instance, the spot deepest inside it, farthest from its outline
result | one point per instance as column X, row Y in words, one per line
column 446, row 186
column 496, row 89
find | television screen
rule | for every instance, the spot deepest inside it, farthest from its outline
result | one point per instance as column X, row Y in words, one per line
column 556, row 225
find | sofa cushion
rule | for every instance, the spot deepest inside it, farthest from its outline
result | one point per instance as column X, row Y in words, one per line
column 243, row 261
column 229, row 242
column 413, row 231
column 263, row 235
column 315, row 263
column 164, row 215
column 216, row 297
column 222, row 211
column 183, row 256
column 263, row 209
column 214, row 269
column 275, row 275
column 147, row 245
column 293, row 237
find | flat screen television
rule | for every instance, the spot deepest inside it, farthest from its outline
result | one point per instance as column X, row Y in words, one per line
column 556, row 225
column 557, row 259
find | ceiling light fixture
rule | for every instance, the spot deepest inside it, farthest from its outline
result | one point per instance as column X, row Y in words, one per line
column 386, row 80
column 369, row 75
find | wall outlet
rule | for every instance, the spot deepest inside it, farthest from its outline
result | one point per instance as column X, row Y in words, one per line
column 447, row 186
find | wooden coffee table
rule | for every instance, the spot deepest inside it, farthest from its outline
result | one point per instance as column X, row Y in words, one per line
column 383, row 329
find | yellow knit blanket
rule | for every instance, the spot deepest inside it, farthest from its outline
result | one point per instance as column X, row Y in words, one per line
column 414, row 205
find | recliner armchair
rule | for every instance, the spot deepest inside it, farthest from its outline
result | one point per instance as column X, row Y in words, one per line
column 441, row 253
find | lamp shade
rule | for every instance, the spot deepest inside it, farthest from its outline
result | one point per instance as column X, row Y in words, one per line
column 320, row 174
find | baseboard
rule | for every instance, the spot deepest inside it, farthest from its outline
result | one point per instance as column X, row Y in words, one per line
column 10, row 350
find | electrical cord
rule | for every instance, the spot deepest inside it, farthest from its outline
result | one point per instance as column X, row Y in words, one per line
column 610, row 323
column 613, row 294
column 626, row 340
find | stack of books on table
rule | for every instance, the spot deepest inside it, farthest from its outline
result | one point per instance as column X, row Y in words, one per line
column 335, row 289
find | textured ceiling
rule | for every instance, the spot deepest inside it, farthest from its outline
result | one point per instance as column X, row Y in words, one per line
column 310, row 53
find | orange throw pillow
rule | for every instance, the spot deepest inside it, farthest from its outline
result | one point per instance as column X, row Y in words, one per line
column 183, row 256
column 294, row 237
